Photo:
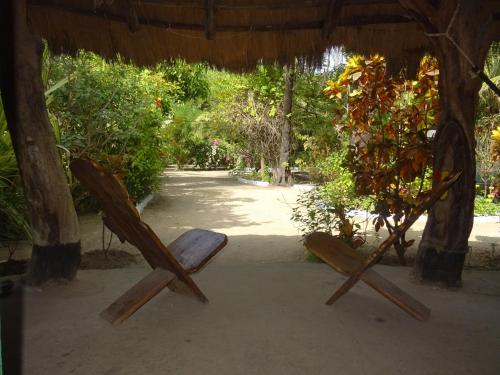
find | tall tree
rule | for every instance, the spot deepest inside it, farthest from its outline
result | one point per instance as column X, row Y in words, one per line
column 55, row 230
column 282, row 174
column 461, row 34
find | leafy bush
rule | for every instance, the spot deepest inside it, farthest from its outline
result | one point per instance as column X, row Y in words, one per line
column 190, row 79
column 13, row 220
column 314, row 213
column 387, row 120
column 113, row 113
column 485, row 206
column 326, row 208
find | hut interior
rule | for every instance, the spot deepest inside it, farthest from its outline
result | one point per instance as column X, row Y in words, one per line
column 236, row 34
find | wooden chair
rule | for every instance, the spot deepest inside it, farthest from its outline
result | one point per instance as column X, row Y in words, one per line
column 171, row 264
column 351, row 263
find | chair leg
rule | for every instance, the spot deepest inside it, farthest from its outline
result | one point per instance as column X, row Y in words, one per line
column 394, row 294
column 189, row 290
column 138, row 295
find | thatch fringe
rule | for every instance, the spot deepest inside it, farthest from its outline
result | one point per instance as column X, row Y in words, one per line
column 229, row 33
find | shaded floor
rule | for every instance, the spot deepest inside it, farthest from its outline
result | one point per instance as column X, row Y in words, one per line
column 263, row 319
column 266, row 313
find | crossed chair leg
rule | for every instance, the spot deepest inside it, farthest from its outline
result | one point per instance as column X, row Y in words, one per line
column 137, row 296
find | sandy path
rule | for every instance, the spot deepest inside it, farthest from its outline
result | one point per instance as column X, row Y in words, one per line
column 256, row 219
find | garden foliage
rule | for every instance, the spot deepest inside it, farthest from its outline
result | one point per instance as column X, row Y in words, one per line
column 113, row 113
column 13, row 219
column 387, row 120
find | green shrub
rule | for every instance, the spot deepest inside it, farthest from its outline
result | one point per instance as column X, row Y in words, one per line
column 484, row 206
column 13, row 219
column 113, row 113
column 190, row 79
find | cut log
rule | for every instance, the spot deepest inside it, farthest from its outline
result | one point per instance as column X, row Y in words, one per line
column 54, row 224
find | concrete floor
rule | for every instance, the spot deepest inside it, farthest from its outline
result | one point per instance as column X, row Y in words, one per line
column 263, row 319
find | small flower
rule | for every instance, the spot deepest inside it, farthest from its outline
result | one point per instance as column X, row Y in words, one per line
column 158, row 102
column 215, row 142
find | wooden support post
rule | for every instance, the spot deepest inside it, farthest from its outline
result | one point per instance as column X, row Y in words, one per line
column 282, row 174
column 332, row 18
column 54, row 224
column 132, row 19
column 441, row 253
column 210, row 19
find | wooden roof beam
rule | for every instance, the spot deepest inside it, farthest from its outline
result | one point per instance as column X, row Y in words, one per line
column 332, row 18
column 152, row 22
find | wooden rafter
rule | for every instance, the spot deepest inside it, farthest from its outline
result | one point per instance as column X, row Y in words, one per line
column 260, row 6
column 332, row 18
column 153, row 22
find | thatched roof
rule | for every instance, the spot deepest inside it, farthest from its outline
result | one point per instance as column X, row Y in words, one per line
column 231, row 33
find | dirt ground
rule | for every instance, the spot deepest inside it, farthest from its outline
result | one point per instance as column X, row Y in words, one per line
column 266, row 313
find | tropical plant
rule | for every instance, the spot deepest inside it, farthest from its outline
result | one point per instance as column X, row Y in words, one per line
column 315, row 213
column 112, row 112
column 190, row 79
column 486, row 206
column 260, row 126
column 387, row 120
column 14, row 223
column 488, row 151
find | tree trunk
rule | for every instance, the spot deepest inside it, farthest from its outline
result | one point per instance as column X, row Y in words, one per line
column 444, row 243
column 55, row 231
column 262, row 169
column 282, row 174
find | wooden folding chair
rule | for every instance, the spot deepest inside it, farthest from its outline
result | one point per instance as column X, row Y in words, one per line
column 351, row 263
column 171, row 264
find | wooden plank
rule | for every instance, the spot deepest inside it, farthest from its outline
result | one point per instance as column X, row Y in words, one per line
column 194, row 248
column 396, row 295
column 138, row 295
column 334, row 252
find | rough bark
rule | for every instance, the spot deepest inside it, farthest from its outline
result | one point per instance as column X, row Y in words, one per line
column 444, row 243
column 282, row 174
column 55, row 231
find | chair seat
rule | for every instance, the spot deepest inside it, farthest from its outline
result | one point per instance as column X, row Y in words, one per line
column 194, row 248
column 335, row 252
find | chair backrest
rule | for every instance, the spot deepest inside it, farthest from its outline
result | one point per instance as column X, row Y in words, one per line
column 121, row 216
